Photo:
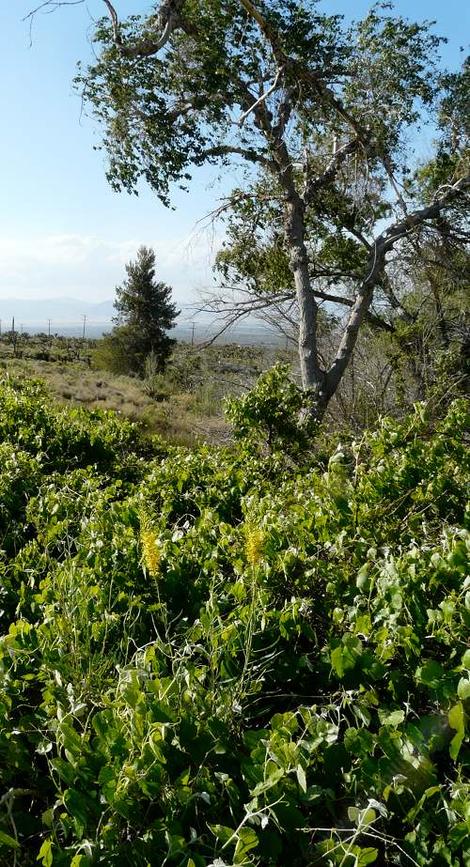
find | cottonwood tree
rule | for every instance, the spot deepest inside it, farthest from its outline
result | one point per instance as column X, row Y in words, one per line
column 428, row 308
column 315, row 114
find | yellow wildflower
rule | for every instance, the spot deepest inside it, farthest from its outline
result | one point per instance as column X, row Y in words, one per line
column 254, row 544
column 151, row 551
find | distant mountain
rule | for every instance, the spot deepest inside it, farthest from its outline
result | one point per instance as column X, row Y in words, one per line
column 66, row 318
column 61, row 311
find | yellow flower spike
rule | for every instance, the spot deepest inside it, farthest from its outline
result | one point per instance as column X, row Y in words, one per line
column 151, row 551
column 254, row 545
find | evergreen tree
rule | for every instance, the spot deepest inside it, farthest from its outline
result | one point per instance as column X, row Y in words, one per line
column 145, row 313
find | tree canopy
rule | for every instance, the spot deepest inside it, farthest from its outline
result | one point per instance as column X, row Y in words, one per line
column 320, row 116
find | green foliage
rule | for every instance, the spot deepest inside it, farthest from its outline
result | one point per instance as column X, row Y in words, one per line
column 185, row 98
column 144, row 315
column 111, row 351
column 270, row 413
column 171, row 112
column 317, row 119
column 210, row 657
column 431, row 326
column 63, row 439
column 453, row 155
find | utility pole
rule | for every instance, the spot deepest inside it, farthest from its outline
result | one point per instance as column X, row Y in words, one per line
column 84, row 317
column 13, row 335
column 48, row 327
column 0, row 327
column 192, row 333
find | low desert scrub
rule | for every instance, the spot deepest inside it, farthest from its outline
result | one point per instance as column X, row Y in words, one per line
column 185, row 404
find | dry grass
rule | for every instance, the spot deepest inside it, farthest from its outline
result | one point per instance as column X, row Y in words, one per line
column 183, row 405
column 182, row 418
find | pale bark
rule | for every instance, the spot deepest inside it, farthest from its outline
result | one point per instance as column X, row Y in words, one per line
column 312, row 374
column 320, row 384
column 383, row 245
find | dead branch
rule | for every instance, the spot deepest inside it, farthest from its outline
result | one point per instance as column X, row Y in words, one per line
column 262, row 98
column 383, row 244
column 337, row 160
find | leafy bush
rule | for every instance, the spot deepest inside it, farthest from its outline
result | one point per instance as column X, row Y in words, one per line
column 218, row 660
column 66, row 438
column 271, row 413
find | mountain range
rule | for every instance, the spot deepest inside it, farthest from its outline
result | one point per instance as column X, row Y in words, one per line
column 66, row 316
column 61, row 311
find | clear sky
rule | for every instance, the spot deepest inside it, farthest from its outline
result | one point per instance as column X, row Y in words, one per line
column 63, row 231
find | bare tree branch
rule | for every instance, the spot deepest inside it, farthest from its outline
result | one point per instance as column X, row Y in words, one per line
column 383, row 244
column 284, row 112
column 247, row 154
column 262, row 98
column 52, row 5
column 114, row 21
column 317, row 183
column 302, row 73
column 167, row 20
column 389, row 169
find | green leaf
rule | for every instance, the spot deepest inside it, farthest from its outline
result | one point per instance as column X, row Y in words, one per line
column 393, row 719
column 456, row 719
column 361, row 817
column 457, row 716
column 463, row 689
column 272, row 779
column 466, row 660
column 64, row 769
column 344, row 657
column 223, row 833
column 6, row 840
column 362, row 580
column 47, row 817
column 366, row 856
column 367, row 816
column 302, row 780
column 247, row 840
column 455, row 744
column 107, row 778
column 71, row 740
column 102, row 723
column 45, row 853
column 77, row 805
column 430, row 674
column 337, row 662
column 353, row 814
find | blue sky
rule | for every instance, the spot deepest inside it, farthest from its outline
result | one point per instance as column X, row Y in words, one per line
column 63, row 231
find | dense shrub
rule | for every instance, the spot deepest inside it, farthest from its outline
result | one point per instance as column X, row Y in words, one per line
column 220, row 658
column 66, row 438
column 270, row 414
